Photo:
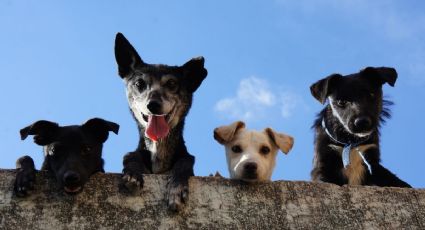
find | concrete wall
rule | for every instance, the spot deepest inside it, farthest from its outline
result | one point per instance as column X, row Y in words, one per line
column 213, row 203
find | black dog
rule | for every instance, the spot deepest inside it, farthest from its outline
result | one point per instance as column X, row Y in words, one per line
column 347, row 129
column 71, row 153
column 159, row 97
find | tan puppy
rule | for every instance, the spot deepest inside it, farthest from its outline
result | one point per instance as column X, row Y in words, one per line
column 251, row 155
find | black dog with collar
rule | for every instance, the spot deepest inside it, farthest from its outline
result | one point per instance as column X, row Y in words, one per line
column 347, row 129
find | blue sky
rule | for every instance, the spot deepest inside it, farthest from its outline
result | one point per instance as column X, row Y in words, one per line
column 57, row 63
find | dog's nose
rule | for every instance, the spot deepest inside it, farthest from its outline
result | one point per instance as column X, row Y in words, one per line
column 363, row 123
column 71, row 177
column 154, row 107
column 250, row 167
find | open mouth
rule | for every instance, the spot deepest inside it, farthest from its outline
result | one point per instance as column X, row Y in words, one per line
column 157, row 126
column 146, row 117
column 72, row 189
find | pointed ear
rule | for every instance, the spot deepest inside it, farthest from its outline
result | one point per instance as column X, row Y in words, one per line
column 194, row 73
column 381, row 75
column 321, row 89
column 282, row 141
column 44, row 132
column 100, row 128
column 126, row 56
column 225, row 134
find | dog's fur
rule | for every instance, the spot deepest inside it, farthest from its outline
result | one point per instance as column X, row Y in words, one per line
column 159, row 92
column 353, row 115
column 251, row 155
column 71, row 153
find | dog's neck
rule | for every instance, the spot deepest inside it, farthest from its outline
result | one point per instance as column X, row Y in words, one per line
column 163, row 151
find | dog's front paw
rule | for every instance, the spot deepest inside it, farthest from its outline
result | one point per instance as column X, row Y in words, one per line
column 177, row 195
column 24, row 182
column 25, row 176
column 132, row 178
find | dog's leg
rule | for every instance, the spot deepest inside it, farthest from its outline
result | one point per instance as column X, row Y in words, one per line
column 328, row 169
column 133, row 170
column 179, row 181
column 324, row 174
column 384, row 177
column 380, row 175
column 25, row 176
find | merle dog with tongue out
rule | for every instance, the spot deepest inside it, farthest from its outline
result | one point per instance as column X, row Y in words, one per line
column 159, row 97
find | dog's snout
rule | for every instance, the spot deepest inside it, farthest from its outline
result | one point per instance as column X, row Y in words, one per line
column 250, row 167
column 154, row 107
column 363, row 123
column 71, row 177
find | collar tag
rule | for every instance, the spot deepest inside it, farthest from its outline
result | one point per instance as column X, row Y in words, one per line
column 347, row 149
column 346, row 155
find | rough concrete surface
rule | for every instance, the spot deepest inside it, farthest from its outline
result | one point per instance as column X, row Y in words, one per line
column 214, row 203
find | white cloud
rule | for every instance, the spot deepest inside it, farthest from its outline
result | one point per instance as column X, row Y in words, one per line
column 255, row 91
column 256, row 99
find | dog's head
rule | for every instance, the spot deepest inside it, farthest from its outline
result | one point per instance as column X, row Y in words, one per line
column 356, row 99
column 251, row 155
column 159, row 95
column 72, row 153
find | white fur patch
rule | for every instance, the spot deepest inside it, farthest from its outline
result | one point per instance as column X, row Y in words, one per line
column 338, row 116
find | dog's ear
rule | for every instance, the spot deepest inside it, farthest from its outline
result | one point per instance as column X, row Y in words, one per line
column 321, row 89
column 126, row 56
column 225, row 134
column 194, row 73
column 44, row 132
column 381, row 75
column 282, row 141
column 100, row 128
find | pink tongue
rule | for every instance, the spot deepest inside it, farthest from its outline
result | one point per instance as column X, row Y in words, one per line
column 157, row 127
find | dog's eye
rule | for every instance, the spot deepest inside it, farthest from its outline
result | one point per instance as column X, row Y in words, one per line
column 140, row 84
column 86, row 150
column 237, row 149
column 264, row 150
column 372, row 95
column 52, row 151
column 341, row 103
column 171, row 84
column 55, row 150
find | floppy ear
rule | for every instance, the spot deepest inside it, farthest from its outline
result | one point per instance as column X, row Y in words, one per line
column 381, row 74
column 100, row 128
column 126, row 56
column 321, row 89
column 282, row 141
column 194, row 73
column 44, row 132
column 225, row 134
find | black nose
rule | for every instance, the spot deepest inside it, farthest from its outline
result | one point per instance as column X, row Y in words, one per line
column 154, row 107
column 363, row 123
column 250, row 167
column 71, row 177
